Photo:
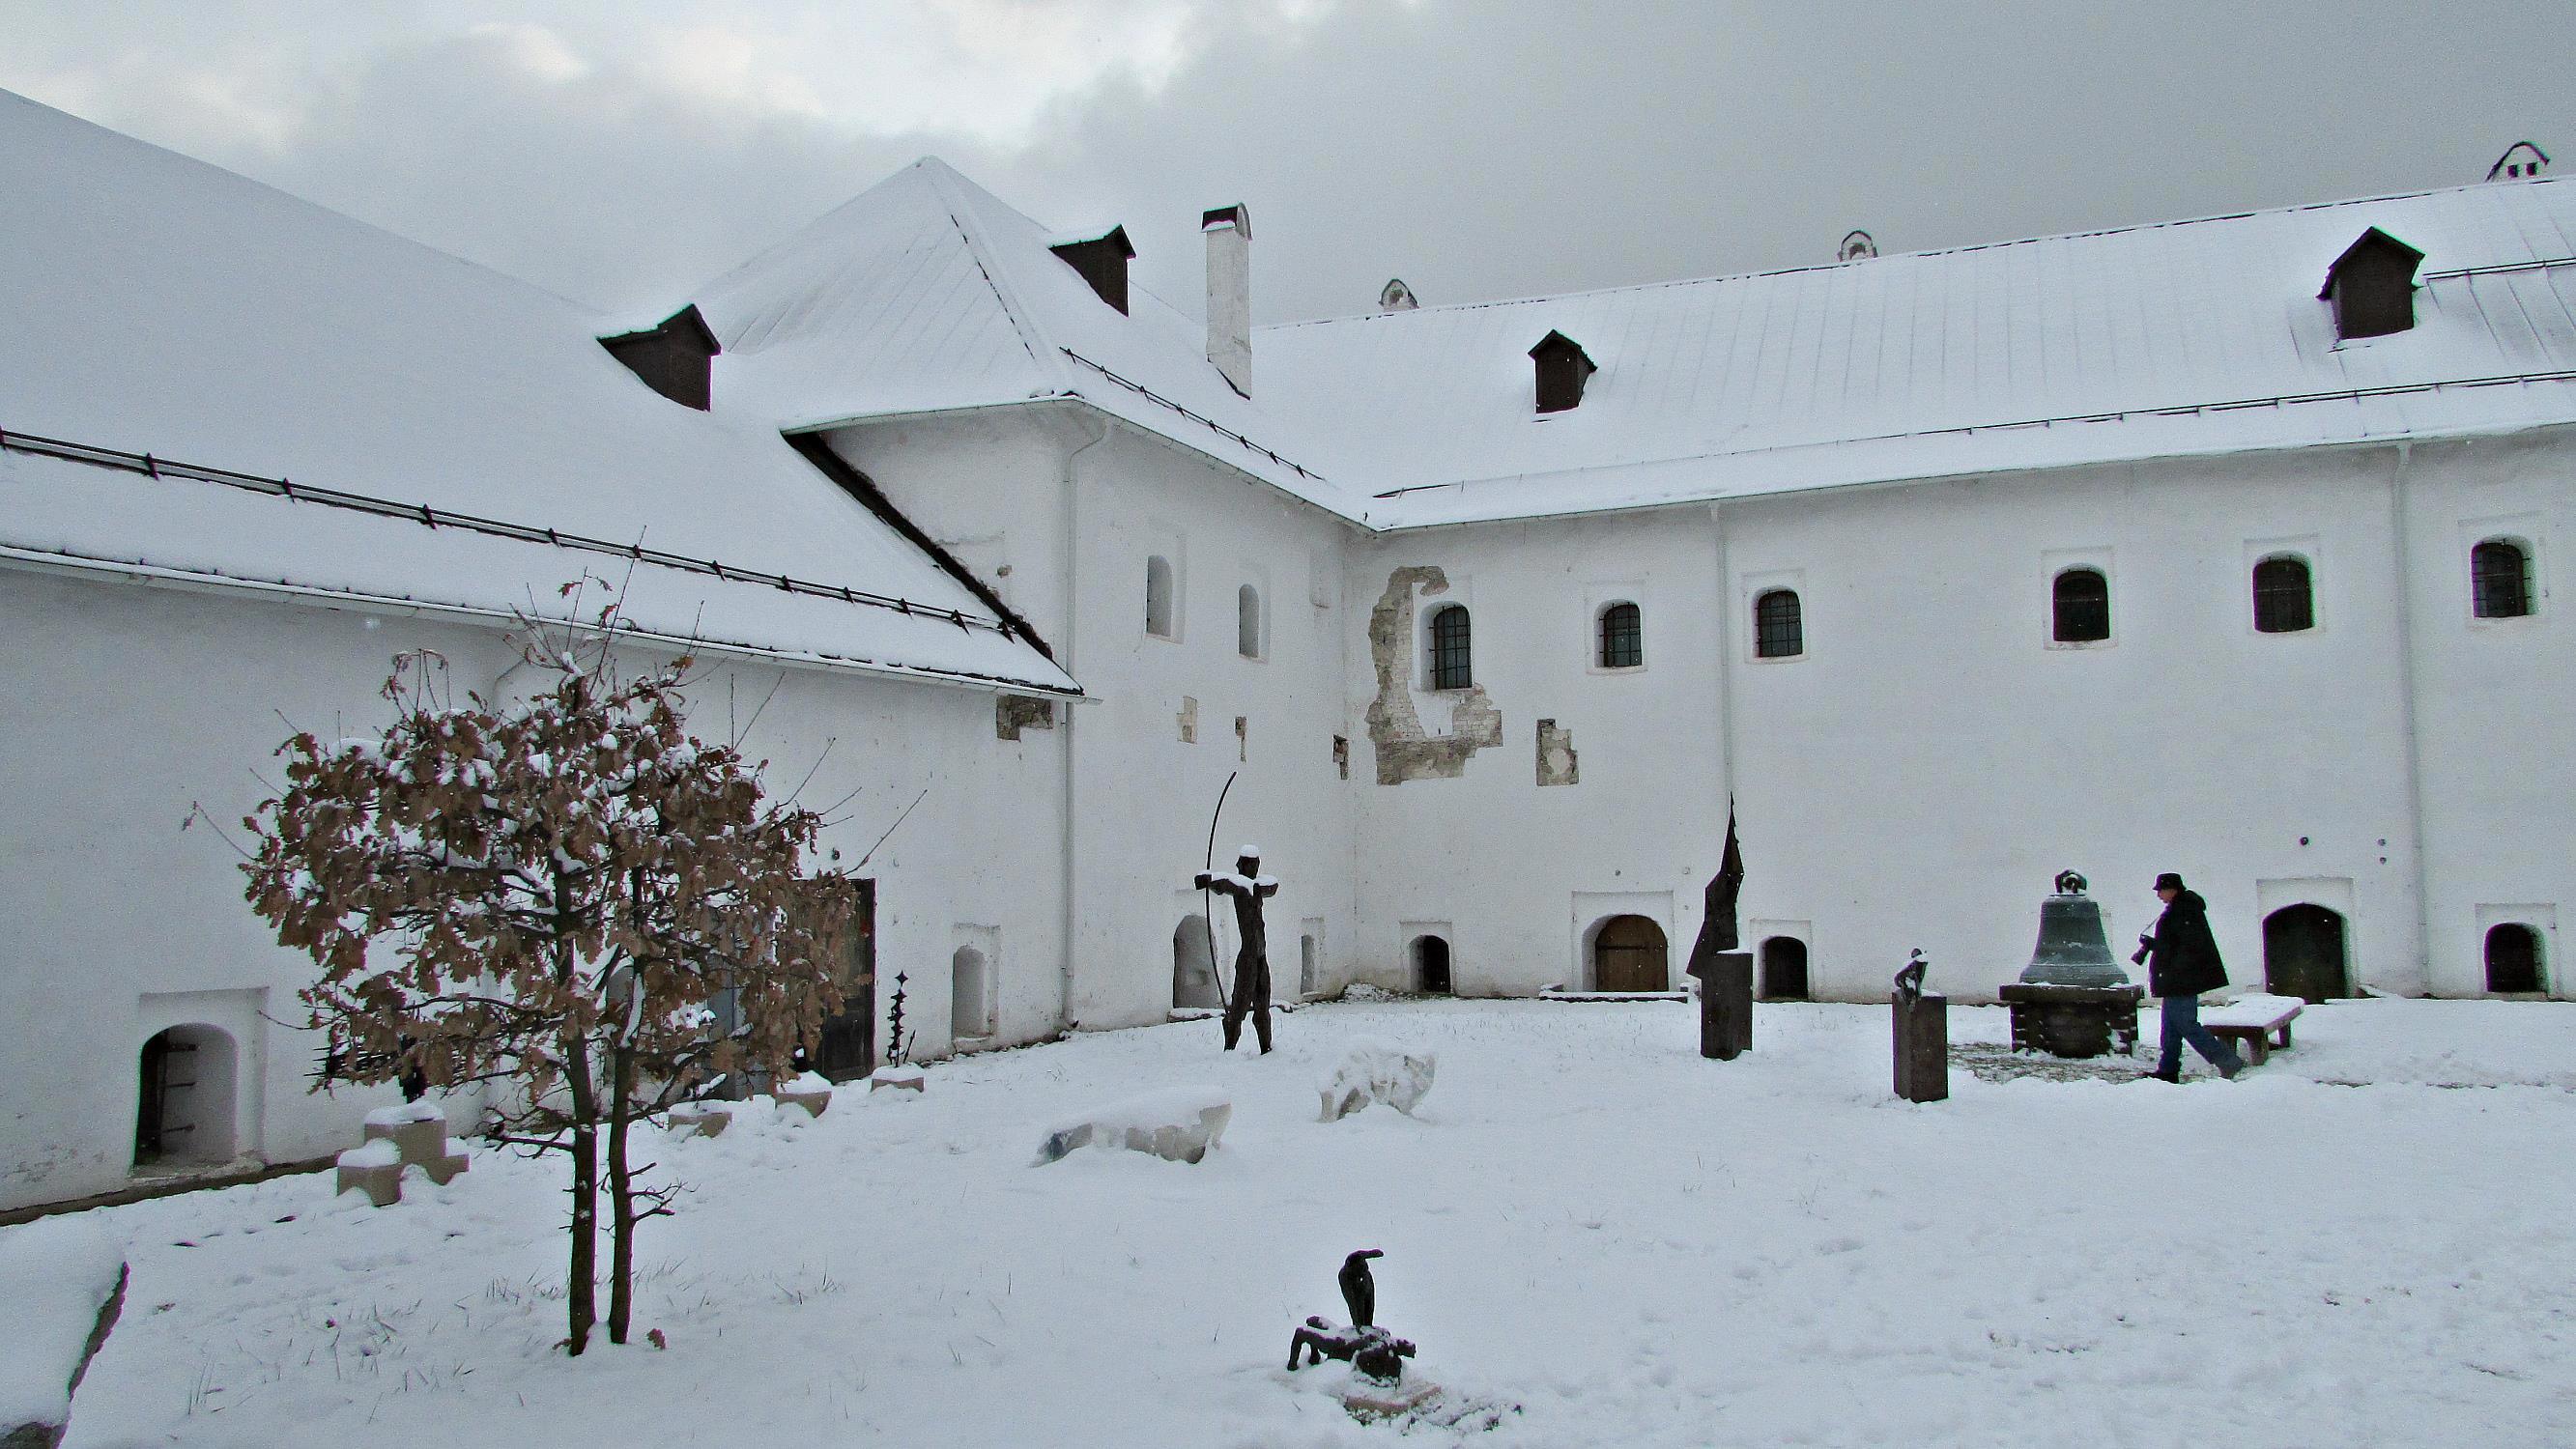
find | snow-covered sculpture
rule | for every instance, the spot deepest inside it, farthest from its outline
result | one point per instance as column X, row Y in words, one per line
column 1181, row 1124
column 1373, row 1071
column 1247, row 887
column 66, row 1280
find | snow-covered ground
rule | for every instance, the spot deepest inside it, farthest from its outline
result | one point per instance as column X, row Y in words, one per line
column 1584, row 1220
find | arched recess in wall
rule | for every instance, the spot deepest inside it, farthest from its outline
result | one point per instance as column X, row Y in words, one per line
column 970, row 994
column 1158, row 597
column 1431, row 966
column 1306, row 961
column 1784, row 969
column 2079, row 605
column 2500, row 579
column 1619, row 640
column 1193, row 970
column 1629, row 953
column 2514, row 963
column 2303, row 954
column 1779, row 625
column 188, row 1100
column 1247, row 622
column 2284, row 596
column 1452, row 660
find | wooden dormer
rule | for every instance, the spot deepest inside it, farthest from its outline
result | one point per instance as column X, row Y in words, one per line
column 675, row 357
column 1102, row 261
column 2372, row 286
column 1563, row 369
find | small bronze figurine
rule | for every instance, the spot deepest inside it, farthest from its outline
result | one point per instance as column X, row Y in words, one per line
column 1367, row 1348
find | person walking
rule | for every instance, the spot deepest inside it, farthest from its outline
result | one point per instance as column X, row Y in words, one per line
column 2184, row 964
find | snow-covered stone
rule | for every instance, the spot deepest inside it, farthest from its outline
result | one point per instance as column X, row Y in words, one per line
column 811, row 1091
column 907, row 1077
column 63, row 1280
column 1181, row 1124
column 418, row 1132
column 374, row 1168
column 703, row 1119
column 1373, row 1071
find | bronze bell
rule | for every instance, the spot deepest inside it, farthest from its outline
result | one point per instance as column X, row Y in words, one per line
column 2073, row 949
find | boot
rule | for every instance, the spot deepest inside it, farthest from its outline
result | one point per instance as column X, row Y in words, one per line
column 2167, row 1074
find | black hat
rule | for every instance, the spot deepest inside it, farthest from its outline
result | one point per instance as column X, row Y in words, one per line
column 2169, row 881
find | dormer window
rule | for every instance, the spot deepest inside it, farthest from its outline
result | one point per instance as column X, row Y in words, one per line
column 1563, row 369
column 1102, row 261
column 675, row 357
column 2521, row 161
column 2372, row 286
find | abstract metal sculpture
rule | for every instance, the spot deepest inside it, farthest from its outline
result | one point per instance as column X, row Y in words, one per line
column 1370, row 1350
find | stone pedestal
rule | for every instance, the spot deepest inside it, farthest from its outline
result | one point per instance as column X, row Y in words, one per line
column 2072, row 1021
column 905, row 1078
column 422, row 1144
column 811, row 1099
column 1922, row 1030
column 702, row 1119
column 1726, row 1005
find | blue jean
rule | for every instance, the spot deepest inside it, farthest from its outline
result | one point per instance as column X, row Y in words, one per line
column 2182, row 1024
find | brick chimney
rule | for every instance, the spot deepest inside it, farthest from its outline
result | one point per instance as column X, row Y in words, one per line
column 1229, row 293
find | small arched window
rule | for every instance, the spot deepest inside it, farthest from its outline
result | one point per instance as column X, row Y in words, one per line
column 1247, row 622
column 2500, row 579
column 1158, row 597
column 2283, row 601
column 2080, row 607
column 1623, row 637
column 1779, row 630
column 1450, row 664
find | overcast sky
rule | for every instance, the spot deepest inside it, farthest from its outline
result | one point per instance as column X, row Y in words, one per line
column 621, row 152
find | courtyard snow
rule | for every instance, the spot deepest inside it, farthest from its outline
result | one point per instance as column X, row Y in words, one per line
column 1595, row 1236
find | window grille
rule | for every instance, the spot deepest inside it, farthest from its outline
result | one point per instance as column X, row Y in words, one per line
column 2081, row 607
column 2500, row 577
column 1778, row 630
column 1450, row 667
column 1623, row 637
column 2283, row 601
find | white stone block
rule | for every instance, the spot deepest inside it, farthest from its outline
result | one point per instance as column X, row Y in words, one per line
column 1373, row 1071
column 1182, row 1124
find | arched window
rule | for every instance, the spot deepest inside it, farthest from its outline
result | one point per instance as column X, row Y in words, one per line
column 2513, row 958
column 2080, row 607
column 1623, row 637
column 1247, row 622
column 1450, row 666
column 1779, row 632
column 2283, row 601
column 1158, row 597
column 2500, row 578
column 970, row 995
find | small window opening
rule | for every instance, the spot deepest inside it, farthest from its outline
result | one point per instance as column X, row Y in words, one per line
column 2283, row 601
column 1247, row 622
column 1193, row 968
column 1623, row 637
column 1451, row 667
column 2080, row 607
column 2513, row 959
column 1305, row 966
column 1779, row 632
column 1431, row 966
column 2500, row 577
column 970, row 996
column 1158, row 597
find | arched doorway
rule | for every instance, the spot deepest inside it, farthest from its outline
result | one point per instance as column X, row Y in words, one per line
column 970, row 996
column 2303, row 953
column 1628, row 955
column 1784, row 969
column 184, row 1111
column 2513, row 959
column 1193, row 970
column 1431, row 966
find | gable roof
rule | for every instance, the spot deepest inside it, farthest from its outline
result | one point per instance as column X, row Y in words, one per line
column 2176, row 339
column 156, row 305
column 926, row 294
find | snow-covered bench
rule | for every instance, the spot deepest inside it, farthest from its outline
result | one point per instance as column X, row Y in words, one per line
column 2251, row 1020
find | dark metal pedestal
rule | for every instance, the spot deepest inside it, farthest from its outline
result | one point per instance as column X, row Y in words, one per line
column 1726, row 1005
column 2072, row 1021
column 1922, row 1029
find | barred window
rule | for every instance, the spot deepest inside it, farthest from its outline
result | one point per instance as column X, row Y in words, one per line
column 1450, row 668
column 2283, row 600
column 1778, row 630
column 2500, row 578
column 2080, row 607
column 1623, row 637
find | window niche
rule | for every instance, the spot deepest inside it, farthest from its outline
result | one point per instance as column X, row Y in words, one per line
column 2500, row 579
column 2079, row 606
column 2284, row 595
column 1779, row 625
column 1619, row 637
column 1450, row 660
column 1161, row 616
column 1248, row 640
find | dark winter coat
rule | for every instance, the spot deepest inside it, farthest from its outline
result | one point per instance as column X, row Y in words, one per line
column 2185, row 955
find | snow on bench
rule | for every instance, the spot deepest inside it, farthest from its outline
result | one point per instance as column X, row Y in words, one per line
column 2251, row 1019
column 65, row 1283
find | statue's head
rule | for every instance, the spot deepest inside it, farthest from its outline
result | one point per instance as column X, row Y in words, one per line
column 1247, row 861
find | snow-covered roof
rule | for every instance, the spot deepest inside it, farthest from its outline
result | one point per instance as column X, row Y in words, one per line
column 926, row 293
column 446, row 427
column 2183, row 338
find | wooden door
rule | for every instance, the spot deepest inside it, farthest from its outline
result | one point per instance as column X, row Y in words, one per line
column 849, row 1046
column 1628, row 955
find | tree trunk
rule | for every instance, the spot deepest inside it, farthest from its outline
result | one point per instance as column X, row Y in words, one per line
column 580, row 1287
column 621, row 1192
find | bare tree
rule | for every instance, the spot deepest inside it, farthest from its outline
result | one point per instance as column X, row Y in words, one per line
column 545, row 894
